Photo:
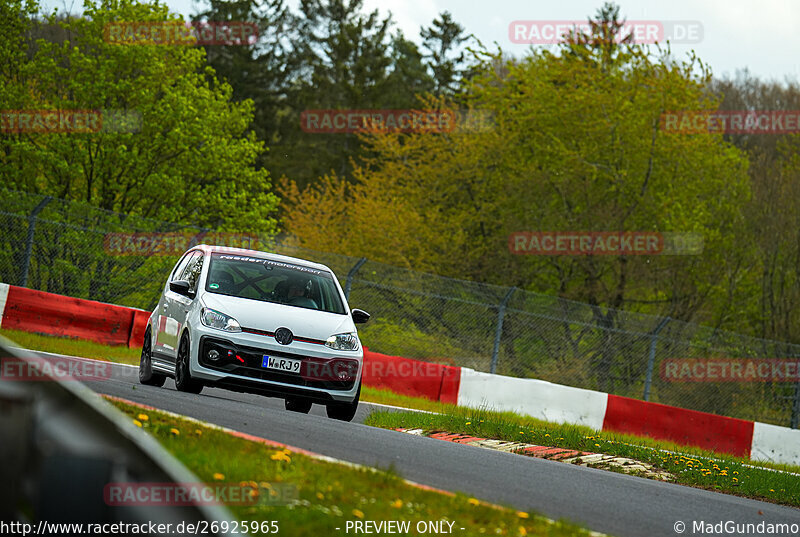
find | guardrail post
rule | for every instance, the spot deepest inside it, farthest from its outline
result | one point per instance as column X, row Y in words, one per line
column 501, row 312
column 26, row 263
column 652, row 359
column 349, row 283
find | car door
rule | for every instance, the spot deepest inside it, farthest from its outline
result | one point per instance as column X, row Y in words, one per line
column 179, row 309
column 169, row 307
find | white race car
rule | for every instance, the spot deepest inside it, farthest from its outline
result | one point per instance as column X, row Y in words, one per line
column 256, row 322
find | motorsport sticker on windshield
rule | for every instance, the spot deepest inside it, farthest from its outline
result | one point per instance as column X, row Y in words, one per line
column 268, row 263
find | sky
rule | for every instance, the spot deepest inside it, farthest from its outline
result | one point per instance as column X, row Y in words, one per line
column 759, row 35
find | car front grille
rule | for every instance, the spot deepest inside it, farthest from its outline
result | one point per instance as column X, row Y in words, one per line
column 334, row 374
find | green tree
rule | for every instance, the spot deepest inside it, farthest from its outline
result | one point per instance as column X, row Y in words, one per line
column 768, row 289
column 262, row 71
column 189, row 156
column 343, row 56
column 576, row 146
column 442, row 41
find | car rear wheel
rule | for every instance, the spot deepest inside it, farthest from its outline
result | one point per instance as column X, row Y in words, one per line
column 294, row 404
column 344, row 411
column 146, row 375
column 183, row 377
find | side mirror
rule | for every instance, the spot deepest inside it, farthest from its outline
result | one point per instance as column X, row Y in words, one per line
column 181, row 287
column 360, row 316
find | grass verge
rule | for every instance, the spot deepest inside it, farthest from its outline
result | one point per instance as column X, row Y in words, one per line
column 694, row 467
column 329, row 494
column 72, row 347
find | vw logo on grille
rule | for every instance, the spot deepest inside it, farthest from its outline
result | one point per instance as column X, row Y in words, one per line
column 283, row 336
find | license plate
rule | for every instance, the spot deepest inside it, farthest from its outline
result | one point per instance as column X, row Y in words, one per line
column 281, row 364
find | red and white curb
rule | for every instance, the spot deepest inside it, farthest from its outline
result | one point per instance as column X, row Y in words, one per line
column 571, row 456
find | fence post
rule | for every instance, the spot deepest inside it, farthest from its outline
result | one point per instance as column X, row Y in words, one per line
column 796, row 406
column 26, row 263
column 499, row 331
column 349, row 283
column 652, row 359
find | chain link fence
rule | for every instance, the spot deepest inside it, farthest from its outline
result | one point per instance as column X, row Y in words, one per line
column 61, row 247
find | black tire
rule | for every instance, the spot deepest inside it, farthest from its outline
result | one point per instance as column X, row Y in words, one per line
column 146, row 375
column 183, row 377
column 294, row 404
column 344, row 411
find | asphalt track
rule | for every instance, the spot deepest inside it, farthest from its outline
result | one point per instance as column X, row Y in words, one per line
column 603, row 501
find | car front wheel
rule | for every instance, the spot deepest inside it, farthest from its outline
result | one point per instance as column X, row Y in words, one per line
column 344, row 411
column 183, row 377
column 146, row 375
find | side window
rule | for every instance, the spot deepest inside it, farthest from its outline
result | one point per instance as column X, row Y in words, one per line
column 192, row 271
column 176, row 274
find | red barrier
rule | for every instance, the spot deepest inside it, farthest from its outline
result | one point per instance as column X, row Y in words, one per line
column 48, row 313
column 138, row 326
column 451, row 381
column 411, row 377
column 687, row 427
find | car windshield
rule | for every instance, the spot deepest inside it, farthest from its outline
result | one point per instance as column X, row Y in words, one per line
column 266, row 280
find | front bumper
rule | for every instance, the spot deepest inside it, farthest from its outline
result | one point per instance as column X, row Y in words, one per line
column 324, row 377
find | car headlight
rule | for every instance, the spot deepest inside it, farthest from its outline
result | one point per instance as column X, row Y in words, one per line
column 220, row 321
column 343, row 342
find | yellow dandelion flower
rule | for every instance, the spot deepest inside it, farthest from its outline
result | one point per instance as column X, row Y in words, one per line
column 397, row 504
column 735, row 480
column 772, row 490
column 522, row 514
column 218, row 476
column 469, row 423
column 522, row 531
column 597, row 445
column 320, row 496
column 198, row 432
column 137, row 423
column 473, row 501
column 358, row 514
column 547, row 435
column 281, row 456
column 735, row 473
column 142, row 417
column 174, row 431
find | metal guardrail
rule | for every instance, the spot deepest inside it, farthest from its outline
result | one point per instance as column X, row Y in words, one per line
column 61, row 444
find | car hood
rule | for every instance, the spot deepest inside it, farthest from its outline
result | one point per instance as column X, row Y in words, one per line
column 269, row 316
